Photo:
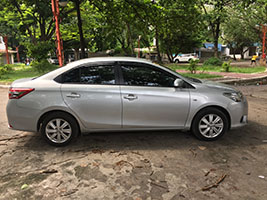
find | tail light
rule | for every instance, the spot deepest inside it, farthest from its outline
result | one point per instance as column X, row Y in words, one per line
column 17, row 93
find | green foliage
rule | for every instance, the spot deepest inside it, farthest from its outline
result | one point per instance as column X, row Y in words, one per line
column 39, row 51
column 226, row 66
column 193, row 66
column 42, row 66
column 213, row 62
column 4, row 69
column 180, row 26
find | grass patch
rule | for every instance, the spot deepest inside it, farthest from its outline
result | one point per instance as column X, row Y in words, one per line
column 248, row 70
column 233, row 69
column 19, row 71
column 201, row 75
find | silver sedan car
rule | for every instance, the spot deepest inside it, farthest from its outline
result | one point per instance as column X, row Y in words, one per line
column 113, row 93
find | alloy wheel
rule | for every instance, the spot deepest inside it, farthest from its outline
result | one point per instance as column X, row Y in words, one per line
column 58, row 130
column 211, row 125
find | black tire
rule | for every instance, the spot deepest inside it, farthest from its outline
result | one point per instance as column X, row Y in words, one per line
column 199, row 128
column 70, row 125
column 176, row 61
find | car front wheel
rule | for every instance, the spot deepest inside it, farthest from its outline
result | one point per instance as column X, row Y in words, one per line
column 210, row 124
column 59, row 129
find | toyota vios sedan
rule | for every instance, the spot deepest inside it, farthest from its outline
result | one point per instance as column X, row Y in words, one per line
column 112, row 93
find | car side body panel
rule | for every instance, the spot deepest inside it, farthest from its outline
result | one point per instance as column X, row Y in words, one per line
column 155, row 107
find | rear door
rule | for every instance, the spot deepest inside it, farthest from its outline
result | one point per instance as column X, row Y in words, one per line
column 92, row 93
column 149, row 98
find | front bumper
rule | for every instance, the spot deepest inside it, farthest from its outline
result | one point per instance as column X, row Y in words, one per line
column 238, row 113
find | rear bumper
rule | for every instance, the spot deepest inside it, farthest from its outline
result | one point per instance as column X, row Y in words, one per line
column 20, row 118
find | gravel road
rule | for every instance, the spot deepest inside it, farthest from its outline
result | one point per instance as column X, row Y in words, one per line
column 139, row 166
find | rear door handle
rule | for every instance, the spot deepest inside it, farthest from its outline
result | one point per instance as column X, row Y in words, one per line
column 73, row 95
column 130, row 97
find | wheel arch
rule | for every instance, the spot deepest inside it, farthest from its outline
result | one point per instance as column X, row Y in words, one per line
column 216, row 107
column 43, row 116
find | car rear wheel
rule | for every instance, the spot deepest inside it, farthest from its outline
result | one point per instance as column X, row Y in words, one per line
column 176, row 61
column 210, row 124
column 59, row 129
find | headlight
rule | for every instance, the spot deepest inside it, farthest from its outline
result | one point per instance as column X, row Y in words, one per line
column 235, row 96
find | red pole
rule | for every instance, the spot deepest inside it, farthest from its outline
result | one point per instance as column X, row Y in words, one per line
column 263, row 41
column 55, row 9
column 7, row 56
column 17, row 49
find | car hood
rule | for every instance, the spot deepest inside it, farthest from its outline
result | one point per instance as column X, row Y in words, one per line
column 216, row 85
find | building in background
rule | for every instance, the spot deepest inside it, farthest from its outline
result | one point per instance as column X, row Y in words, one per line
column 3, row 53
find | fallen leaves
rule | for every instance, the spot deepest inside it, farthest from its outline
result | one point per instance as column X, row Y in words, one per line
column 49, row 171
column 24, row 186
column 202, row 148
column 216, row 184
column 123, row 162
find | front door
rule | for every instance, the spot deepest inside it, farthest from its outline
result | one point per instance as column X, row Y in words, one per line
column 150, row 99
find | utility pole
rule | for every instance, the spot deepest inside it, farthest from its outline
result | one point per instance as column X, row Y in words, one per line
column 6, row 45
column 55, row 10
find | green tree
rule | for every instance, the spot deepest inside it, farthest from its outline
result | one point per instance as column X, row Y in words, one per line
column 238, row 34
column 180, row 30
column 215, row 14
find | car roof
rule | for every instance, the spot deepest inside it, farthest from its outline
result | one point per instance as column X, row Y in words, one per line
column 107, row 59
column 60, row 70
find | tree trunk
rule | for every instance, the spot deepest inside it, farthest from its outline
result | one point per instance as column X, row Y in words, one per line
column 129, row 39
column 42, row 29
column 170, row 56
column 82, row 42
column 157, row 45
column 234, row 54
column 77, row 54
column 216, row 38
column 242, row 53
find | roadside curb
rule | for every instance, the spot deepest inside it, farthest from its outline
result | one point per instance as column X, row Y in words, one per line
column 245, row 81
column 4, row 86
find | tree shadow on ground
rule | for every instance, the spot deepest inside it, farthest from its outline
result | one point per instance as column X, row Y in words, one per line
column 251, row 135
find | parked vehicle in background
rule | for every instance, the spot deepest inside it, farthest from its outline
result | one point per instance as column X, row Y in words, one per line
column 53, row 60
column 113, row 93
column 185, row 57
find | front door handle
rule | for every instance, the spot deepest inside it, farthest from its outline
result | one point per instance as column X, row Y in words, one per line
column 73, row 95
column 130, row 97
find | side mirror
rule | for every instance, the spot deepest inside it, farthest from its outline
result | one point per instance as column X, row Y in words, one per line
column 178, row 83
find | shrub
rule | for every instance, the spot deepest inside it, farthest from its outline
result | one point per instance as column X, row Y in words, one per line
column 5, row 69
column 42, row 66
column 213, row 61
column 226, row 66
column 193, row 66
column 39, row 51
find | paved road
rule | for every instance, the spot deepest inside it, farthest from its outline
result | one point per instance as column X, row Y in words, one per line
column 144, row 165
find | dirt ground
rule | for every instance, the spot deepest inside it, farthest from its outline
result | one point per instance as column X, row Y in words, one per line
column 139, row 166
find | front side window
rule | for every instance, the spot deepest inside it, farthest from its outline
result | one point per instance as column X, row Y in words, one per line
column 101, row 74
column 146, row 76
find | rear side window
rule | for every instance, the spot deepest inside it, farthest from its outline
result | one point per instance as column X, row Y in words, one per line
column 72, row 76
column 146, row 76
column 101, row 74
